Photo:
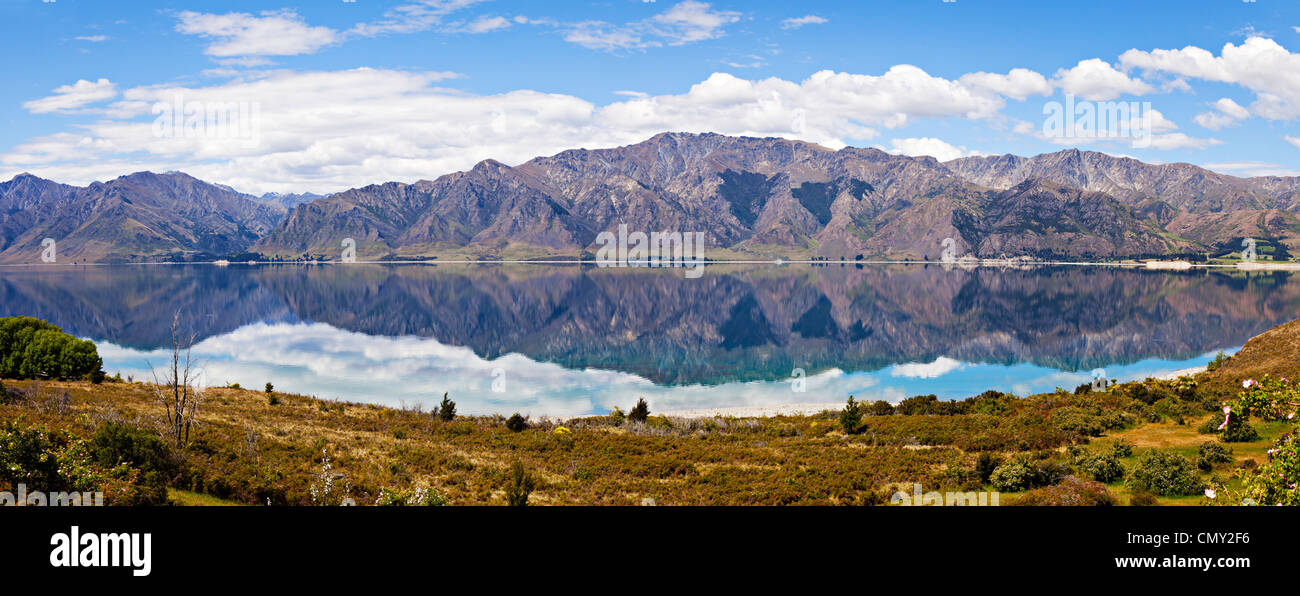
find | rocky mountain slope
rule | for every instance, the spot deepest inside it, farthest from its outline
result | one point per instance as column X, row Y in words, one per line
column 765, row 196
column 768, row 197
column 141, row 216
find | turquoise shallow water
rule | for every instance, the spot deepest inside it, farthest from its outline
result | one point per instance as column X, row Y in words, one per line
column 568, row 340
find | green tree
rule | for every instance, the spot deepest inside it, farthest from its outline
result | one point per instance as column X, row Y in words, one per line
column 851, row 417
column 519, row 485
column 640, row 413
column 446, row 411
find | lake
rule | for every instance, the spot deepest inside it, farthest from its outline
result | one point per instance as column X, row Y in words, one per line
column 564, row 340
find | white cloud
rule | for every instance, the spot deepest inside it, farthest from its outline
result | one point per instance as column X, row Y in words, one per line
column 918, row 370
column 327, row 131
column 1259, row 64
column 330, row 363
column 72, row 97
column 798, row 22
column 1178, row 140
column 482, row 25
column 412, row 17
column 936, row 148
column 1293, row 140
column 1020, row 83
column 274, row 33
column 1251, row 168
column 684, row 23
column 92, row 38
column 1097, row 80
column 1227, row 113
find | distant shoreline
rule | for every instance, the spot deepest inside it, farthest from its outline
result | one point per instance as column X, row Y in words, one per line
column 967, row 265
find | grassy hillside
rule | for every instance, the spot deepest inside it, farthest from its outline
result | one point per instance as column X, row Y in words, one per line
column 257, row 448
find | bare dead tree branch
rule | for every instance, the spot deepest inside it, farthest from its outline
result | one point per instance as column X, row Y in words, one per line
column 176, row 388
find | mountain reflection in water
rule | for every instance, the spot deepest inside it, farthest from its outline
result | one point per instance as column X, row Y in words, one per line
column 563, row 340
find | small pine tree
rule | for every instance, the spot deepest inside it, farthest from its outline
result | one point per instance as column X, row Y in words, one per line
column 640, row 413
column 269, row 387
column 851, row 417
column 519, row 486
column 516, row 423
column 447, row 409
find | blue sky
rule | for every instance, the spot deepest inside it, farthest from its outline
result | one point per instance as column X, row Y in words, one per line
column 338, row 94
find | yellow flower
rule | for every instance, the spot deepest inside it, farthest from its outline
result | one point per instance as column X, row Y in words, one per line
column 562, row 431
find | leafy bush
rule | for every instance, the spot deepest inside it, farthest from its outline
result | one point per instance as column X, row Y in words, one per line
column 1023, row 473
column 617, row 416
column 985, row 464
column 269, row 387
column 1102, row 467
column 1142, row 498
column 116, row 444
column 520, row 485
column 1122, row 448
column 639, row 413
column 43, row 460
column 851, row 417
column 881, row 407
column 1239, row 429
column 516, row 423
column 1071, row 492
column 1217, row 363
column 33, row 349
column 420, row 497
column 1212, row 453
column 1165, row 473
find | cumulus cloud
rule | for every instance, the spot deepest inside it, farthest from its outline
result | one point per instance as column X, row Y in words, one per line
column 936, row 148
column 1020, row 83
column 327, row 131
column 1259, row 64
column 272, row 33
column 1227, row 113
column 920, row 370
column 1097, row 80
column 71, row 97
column 317, row 359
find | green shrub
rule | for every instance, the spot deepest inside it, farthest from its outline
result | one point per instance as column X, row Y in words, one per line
column 1217, row 363
column 1071, row 492
column 1239, row 430
column 420, row 497
column 269, row 387
column 516, row 423
column 1122, row 448
column 1102, row 467
column 1142, row 498
column 617, row 416
column 33, row 349
column 881, row 407
column 851, row 417
column 1023, row 473
column 117, row 444
column 44, row 460
column 519, row 485
column 985, row 464
column 1166, row 474
column 639, row 413
column 1211, row 453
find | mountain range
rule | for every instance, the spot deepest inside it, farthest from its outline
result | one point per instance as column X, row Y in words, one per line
column 752, row 197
